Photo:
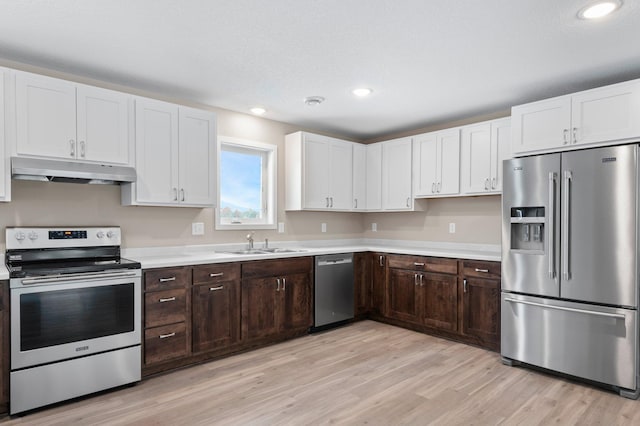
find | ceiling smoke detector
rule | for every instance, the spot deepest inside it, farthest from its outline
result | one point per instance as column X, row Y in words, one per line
column 313, row 100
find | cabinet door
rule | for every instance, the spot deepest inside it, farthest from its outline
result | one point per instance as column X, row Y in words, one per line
column 396, row 175
column 197, row 157
column 541, row 125
column 362, row 283
column 45, row 116
column 216, row 315
column 606, row 114
column 5, row 189
column 156, row 152
column 440, row 308
column 102, row 125
column 481, row 310
column 425, row 164
column 359, row 176
column 378, row 284
column 296, row 292
column 341, row 175
column 448, row 162
column 261, row 316
column 374, row 176
column 404, row 295
column 316, row 172
column 476, row 167
column 500, row 151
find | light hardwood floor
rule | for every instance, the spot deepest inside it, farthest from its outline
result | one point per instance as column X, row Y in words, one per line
column 365, row 373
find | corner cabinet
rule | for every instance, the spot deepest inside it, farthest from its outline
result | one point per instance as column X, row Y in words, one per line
column 389, row 174
column 484, row 147
column 175, row 151
column 60, row 119
column 594, row 117
column 276, row 298
column 436, row 160
column 319, row 173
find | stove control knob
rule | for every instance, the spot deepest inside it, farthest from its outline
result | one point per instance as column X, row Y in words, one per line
column 20, row 236
column 100, row 234
column 33, row 235
column 110, row 234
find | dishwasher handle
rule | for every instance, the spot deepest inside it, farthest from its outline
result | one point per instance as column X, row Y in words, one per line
column 332, row 262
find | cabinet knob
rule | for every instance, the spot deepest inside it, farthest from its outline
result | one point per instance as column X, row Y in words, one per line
column 574, row 132
column 82, row 149
column 72, row 148
column 486, row 184
column 493, row 183
column 565, row 136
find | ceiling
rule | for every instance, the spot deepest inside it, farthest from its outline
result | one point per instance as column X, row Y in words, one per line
column 428, row 61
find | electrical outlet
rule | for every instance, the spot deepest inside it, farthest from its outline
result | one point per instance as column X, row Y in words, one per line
column 452, row 228
column 323, row 227
column 197, row 228
column 281, row 227
column 374, row 227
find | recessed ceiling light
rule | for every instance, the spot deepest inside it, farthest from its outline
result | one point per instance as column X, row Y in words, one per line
column 599, row 9
column 313, row 100
column 362, row 91
column 257, row 110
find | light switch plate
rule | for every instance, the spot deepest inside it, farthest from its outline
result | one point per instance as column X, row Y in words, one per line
column 452, row 228
column 197, row 228
column 323, row 227
column 281, row 227
column 374, row 227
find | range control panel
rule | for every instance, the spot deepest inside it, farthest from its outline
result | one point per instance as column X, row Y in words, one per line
column 23, row 238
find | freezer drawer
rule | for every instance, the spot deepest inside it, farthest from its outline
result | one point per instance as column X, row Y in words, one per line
column 592, row 342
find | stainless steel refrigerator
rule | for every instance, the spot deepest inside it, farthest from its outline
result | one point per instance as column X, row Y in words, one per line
column 570, row 264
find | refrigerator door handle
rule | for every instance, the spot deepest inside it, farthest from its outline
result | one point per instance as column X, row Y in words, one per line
column 563, row 308
column 566, row 271
column 552, row 220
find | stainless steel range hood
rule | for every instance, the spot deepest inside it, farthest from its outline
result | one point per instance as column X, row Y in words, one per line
column 68, row 171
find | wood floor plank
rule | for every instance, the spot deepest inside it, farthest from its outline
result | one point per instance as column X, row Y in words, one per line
column 364, row 373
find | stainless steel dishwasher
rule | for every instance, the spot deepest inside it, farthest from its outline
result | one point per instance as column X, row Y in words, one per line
column 333, row 289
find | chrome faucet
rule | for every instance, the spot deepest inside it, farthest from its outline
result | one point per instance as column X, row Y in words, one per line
column 250, row 239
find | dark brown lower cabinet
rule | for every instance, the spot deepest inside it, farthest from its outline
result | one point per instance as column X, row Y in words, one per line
column 378, row 284
column 276, row 297
column 404, row 296
column 480, row 282
column 362, row 284
column 215, row 306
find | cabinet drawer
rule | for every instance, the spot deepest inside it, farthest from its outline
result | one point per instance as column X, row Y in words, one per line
column 164, row 343
column 426, row 264
column 481, row 269
column 208, row 274
column 165, row 307
column 271, row 268
column 161, row 279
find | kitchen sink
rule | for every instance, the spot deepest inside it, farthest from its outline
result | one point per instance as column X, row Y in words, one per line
column 265, row 251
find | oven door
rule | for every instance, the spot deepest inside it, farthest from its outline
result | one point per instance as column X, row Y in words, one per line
column 58, row 318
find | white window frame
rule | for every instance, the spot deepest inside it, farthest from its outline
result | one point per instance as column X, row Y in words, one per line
column 269, row 189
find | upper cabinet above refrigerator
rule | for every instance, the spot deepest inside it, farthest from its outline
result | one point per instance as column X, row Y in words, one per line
column 603, row 116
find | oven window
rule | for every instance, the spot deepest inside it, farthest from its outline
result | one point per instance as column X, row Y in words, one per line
column 53, row 318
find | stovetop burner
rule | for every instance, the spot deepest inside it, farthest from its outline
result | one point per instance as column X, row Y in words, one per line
column 35, row 252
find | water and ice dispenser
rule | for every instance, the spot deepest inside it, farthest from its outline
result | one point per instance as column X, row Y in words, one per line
column 527, row 229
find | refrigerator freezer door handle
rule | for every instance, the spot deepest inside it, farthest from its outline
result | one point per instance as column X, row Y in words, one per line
column 562, row 308
column 551, row 226
column 566, row 271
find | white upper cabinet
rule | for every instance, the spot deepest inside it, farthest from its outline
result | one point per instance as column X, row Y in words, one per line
column 5, row 187
column 175, row 156
column 359, row 176
column 436, row 161
column 484, row 147
column 60, row 119
column 374, row 176
column 319, row 173
column 396, row 175
column 596, row 117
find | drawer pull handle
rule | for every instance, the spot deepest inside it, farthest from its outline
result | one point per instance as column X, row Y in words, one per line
column 219, row 274
column 164, row 336
column 486, row 271
column 168, row 299
column 166, row 280
column 418, row 263
column 220, row 287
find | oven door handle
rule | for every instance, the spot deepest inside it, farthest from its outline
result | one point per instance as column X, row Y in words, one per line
column 77, row 277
